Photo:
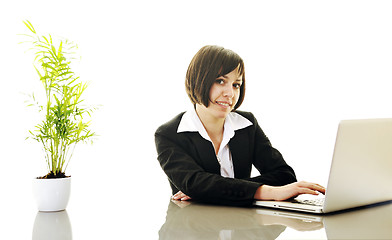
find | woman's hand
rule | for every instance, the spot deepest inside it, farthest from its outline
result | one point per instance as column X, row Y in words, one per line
column 266, row 192
column 181, row 196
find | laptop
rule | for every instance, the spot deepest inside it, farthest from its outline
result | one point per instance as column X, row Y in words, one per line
column 360, row 173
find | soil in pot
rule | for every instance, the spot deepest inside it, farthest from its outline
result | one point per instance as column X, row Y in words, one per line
column 52, row 175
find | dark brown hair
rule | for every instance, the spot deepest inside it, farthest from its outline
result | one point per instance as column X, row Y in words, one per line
column 209, row 63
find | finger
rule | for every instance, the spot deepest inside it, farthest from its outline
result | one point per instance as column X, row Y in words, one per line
column 186, row 198
column 318, row 188
column 312, row 186
column 305, row 190
column 181, row 196
column 321, row 189
column 178, row 195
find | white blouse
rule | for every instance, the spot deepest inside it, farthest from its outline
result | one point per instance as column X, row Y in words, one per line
column 190, row 122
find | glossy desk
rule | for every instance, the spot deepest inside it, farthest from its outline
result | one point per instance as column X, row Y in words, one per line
column 195, row 221
column 186, row 220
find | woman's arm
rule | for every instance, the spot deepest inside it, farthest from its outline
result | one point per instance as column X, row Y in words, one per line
column 267, row 160
column 266, row 192
column 278, row 178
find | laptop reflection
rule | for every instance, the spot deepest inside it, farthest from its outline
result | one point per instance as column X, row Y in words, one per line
column 188, row 220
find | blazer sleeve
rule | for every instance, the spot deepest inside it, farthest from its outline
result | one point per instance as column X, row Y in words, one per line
column 269, row 161
column 188, row 176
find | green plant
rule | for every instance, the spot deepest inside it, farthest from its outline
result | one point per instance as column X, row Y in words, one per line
column 63, row 125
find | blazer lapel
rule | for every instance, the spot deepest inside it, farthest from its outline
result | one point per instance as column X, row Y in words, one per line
column 205, row 153
column 240, row 153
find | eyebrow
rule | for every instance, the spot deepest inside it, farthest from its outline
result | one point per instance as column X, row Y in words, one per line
column 225, row 76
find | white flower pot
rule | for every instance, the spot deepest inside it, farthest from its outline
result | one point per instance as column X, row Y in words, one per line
column 52, row 194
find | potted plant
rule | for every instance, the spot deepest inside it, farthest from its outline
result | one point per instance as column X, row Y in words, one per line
column 63, row 125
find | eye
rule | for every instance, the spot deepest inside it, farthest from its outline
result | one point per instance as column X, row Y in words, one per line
column 220, row 81
column 237, row 85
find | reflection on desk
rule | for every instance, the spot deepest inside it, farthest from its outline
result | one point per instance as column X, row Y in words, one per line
column 52, row 226
column 187, row 220
column 373, row 222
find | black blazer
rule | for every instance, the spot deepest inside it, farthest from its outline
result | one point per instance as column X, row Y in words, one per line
column 191, row 166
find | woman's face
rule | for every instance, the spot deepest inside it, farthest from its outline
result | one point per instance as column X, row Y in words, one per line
column 224, row 94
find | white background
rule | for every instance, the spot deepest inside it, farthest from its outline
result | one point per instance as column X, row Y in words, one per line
column 309, row 64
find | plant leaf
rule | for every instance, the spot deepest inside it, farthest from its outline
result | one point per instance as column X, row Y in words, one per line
column 29, row 26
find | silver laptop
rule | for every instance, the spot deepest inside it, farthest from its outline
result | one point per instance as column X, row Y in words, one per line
column 361, row 169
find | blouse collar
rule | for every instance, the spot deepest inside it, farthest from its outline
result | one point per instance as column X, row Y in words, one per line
column 190, row 122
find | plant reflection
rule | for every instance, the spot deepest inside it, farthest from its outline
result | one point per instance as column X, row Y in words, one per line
column 52, row 226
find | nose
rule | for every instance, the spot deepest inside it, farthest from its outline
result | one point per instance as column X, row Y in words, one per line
column 228, row 91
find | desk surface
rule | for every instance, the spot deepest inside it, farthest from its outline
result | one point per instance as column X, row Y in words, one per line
column 196, row 221
column 104, row 210
column 186, row 220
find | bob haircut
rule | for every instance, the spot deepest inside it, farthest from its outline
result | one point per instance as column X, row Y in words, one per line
column 209, row 63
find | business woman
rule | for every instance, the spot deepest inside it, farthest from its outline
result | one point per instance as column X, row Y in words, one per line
column 207, row 152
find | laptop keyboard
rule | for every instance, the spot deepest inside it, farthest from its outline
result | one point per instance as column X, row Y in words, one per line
column 315, row 202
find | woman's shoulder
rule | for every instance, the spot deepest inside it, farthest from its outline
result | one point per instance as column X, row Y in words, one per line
column 170, row 126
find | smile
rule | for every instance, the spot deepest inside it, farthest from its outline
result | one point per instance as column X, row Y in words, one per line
column 225, row 104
